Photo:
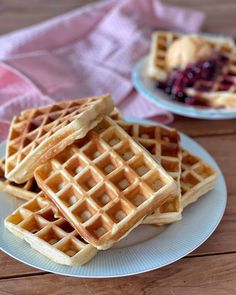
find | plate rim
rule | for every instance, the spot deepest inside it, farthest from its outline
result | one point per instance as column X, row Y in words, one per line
column 170, row 261
column 174, row 107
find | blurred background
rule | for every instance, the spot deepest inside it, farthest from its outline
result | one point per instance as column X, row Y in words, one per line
column 15, row 14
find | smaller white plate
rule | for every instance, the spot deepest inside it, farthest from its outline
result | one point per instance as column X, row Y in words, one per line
column 146, row 86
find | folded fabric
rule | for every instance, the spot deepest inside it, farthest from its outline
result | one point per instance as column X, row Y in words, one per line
column 86, row 52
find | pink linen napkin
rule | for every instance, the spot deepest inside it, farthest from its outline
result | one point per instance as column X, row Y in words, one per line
column 86, row 52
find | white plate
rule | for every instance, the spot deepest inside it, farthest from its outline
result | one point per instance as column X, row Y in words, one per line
column 146, row 86
column 146, row 248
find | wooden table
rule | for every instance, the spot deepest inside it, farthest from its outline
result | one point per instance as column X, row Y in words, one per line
column 211, row 269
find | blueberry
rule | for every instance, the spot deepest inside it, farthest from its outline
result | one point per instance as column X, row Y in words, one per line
column 173, row 96
column 204, row 74
column 223, row 58
column 224, row 87
column 204, row 87
column 197, row 69
column 176, row 89
column 190, row 101
column 170, row 81
column 181, row 96
column 228, row 81
column 190, row 75
column 160, row 84
column 167, row 90
column 206, row 64
column 185, row 80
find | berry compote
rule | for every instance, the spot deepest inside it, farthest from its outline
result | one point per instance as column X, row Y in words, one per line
column 207, row 70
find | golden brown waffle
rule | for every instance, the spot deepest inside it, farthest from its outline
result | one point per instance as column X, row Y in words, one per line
column 39, row 224
column 24, row 191
column 197, row 178
column 39, row 134
column 161, row 41
column 105, row 184
column 164, row 145
column 116, row 115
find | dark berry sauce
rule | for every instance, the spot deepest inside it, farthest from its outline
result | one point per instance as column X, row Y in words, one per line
column 204, row 72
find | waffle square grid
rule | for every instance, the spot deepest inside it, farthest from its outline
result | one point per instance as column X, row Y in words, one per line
column 39, row 134
column 105, row 184
column 197, row 178
column 163, row 144
column 38, row 222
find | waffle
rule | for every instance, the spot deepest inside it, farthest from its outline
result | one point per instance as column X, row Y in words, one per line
column 197, row 178
column 164, row 145
column 24, row 191
column 39, row 224
column 105, row 184
column 39, row 134
column 219, row 92
column 161, row 41
column 115, row 115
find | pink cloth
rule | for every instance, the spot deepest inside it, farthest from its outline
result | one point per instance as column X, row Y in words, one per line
column 86, row 52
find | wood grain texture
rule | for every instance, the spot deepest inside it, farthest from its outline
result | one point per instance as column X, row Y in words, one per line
column 220, row 14
column 214, row 275
column 16, row 14
column 196, row 127
column 222, row 241
column 11, row 267
column 208, row 270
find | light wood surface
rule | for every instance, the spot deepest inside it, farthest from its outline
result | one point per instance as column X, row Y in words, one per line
column 211, row 275
column 208, row 270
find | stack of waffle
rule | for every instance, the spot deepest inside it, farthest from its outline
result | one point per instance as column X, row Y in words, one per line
column 89, row 177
